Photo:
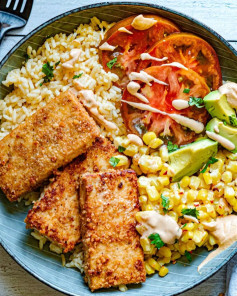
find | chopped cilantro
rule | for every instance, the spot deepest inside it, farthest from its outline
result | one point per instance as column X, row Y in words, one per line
column 186, row 91
column 56, row 64
column 156, row 240
column 188, row 256
column 210, row 161
column 198, row 102
column 121, row 149
column 190, row 212
column 111, row 63
column 77, row 76
column 48, row 71
column 172, row 147
column 225, row 123
column 114, row 161
column 233, row 120
column 179, row 185
column 165, row 203
column 183, row 225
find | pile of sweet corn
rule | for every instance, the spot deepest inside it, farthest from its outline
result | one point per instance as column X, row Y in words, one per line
column 213, row 193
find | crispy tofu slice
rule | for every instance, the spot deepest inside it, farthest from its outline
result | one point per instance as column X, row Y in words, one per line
column 56, row 213
column 49, row 139
column 112, row 251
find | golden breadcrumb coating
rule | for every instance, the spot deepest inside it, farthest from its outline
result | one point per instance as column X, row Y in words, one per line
column 49, row 139
column 112, row 251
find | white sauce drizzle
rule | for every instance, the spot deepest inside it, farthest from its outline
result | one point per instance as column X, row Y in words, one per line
column 142, row 23
column 180, row 104
column 88, row 100
column 74, row 53
column 175, row 64
column 191, row 218
column 164, row 225
column 194, row 125
column 135, row 139
column 133, row 88
column 224, row 229
column 124, row 30
column 230, row 90
column 223, row 141
column 216, row 129
column 144, row 77
column 146, row 56
column 107, row 46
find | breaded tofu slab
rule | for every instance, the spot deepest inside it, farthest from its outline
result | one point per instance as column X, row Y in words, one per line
column 112, row 251
column 56, row 213
column 49, row 139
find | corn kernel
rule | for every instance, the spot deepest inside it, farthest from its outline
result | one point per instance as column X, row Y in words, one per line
column 155, row 143
column 164, row 252
column 144, row 150
column 146, row 245
column 202, row 194
column 190, row 245
column 150, row 164
column 164, row 153
column 200, row 237
column 229, row 192
column 175, row 256
column 136, row 169
column 121, row 141
column 226, row 177
column 123, row 160
column 153, row 194
column 143, row 182
column 148, row 268
column 173, row 215
column 185, row 182
column 203, row 216
column 154, row 264
column 142, row 199
column 148, row 137
column 186, row 236
column 194, row 182
column 149, row 207
column 164, row 180
column 212, row 240
column 163, row 271
column 189, row 226
column 217, row 165
column 207, row 178
column 232, row 166
column 131, row 150
column 191, row 195
column 216, row 176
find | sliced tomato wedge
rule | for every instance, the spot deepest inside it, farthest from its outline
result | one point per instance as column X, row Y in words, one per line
column 161, row 97
column 191, row 51
column 130, row 46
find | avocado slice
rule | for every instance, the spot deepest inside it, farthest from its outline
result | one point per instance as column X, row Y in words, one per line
column 217, row 105
column 188, row 160
column 226, row 131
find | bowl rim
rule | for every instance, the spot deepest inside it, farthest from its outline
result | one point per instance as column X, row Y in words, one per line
column 15, row 257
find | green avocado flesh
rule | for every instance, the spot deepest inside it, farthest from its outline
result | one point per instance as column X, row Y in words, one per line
column 217, row 105
column 226, row 131
column 191, row 158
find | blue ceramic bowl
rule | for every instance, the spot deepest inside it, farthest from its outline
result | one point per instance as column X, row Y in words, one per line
column 18, row 242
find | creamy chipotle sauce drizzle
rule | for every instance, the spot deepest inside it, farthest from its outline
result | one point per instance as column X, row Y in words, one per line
column 164, row 225
column 144, row 77
column 88, row 100
column 230, row 90
column 143, row 23
column 74, row 53
column 146, row 56
column 223, row 141
column 175, row 64
column 135, row 139
column 133, row 88
column 107, row 46
column 180, row 104
column 224, row 230
column 194, row 125
column 124, row 30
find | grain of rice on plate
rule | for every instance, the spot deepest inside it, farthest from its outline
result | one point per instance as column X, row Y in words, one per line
column 31, row 93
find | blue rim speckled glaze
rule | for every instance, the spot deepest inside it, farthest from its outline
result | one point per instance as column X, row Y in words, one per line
column 18, row 258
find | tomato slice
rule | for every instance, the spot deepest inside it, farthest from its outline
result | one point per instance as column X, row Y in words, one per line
column 191, row 51
column 130, row 46
column 161, row 97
